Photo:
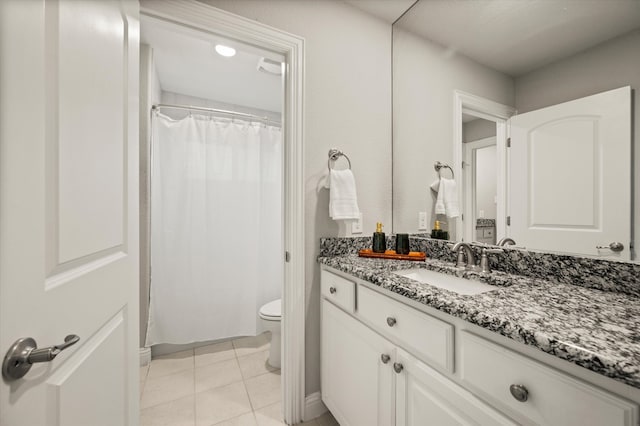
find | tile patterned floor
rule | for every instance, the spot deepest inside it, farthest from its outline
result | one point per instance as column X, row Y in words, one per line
column 224, row 384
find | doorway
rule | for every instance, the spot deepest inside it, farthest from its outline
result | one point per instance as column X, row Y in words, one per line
column 487, row 115
column 200, row 19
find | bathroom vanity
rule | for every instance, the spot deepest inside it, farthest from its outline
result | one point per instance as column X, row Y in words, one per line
column 397, row 351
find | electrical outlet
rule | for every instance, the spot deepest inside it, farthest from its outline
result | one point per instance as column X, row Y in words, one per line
column 422, row 221
column 356, row 225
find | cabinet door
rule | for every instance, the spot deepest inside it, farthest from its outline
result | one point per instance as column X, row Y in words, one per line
column 424, row 397
column 357, row 385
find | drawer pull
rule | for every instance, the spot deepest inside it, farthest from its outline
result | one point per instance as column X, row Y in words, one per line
column 398, row 367
column 332, row 290
column 385, row 358
column 391, row 321
column 519, row 392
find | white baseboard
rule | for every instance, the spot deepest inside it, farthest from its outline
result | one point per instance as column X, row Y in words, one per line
column 313, row 406
column 145, row 356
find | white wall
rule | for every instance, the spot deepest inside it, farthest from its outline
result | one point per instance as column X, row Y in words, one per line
column 613, row 64
column 425, row 76
column 478, row 129
column 348, row 106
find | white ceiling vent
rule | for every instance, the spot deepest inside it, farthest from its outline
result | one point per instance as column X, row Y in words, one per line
column 269, row 66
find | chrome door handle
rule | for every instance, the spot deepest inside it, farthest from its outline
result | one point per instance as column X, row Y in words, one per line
column 391, row 321
column 24, row 353
column 397, row 367
column 614, row 246
column 385, row 358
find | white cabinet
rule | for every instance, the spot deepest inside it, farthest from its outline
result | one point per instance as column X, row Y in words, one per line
column 425, row 397
column 544, row 396
column 412, row 379
column 357, row 383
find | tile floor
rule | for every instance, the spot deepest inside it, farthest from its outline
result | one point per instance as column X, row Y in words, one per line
column 224, row 384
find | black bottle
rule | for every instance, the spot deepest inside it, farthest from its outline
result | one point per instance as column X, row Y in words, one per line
column 379, row 240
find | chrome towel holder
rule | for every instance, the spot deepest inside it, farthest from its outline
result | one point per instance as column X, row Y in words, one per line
column 334, row 154
column 438, row 166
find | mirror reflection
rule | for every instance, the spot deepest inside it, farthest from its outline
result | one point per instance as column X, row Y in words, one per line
column 531, row 105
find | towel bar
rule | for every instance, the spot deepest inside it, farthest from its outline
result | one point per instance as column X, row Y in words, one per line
column 438, row 165
column 334, row 154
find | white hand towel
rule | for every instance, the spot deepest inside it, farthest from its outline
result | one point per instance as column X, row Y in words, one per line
column 435, row 187
column 343, row 201
column 451, row 197
column 447, row 199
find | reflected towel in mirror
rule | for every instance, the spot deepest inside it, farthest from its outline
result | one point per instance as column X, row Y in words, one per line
column 343, row 200
column 447, row 199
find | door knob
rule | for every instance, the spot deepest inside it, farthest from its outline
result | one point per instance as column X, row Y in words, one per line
column 391, row 321
column 397, row 367
column 614, row 246
column 24, row 353
column 385, row 358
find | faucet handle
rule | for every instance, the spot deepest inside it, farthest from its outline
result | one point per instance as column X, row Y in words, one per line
column 484, row 260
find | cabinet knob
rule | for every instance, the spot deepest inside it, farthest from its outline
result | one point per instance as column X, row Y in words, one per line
column 519, row 392
column 332, row 290
column 391, row 321
column 398, row 367
column 385, row 358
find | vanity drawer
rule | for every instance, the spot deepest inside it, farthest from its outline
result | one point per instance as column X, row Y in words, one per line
column 425, row 336
column 552, row 397
column 338, row 290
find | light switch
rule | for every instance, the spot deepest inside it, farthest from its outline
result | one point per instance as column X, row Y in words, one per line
column 356, row 225
column 422, row 221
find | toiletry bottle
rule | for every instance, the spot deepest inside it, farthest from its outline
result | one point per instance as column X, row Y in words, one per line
column 379, row 241
column 436, row 232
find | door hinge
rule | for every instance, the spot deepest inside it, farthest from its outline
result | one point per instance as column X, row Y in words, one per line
column 287, row 256
column 508, row 220
column 508, row 142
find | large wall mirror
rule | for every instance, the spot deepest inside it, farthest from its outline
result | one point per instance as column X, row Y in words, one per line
column 531, row 104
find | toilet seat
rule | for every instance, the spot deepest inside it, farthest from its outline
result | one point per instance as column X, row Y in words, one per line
column 272, row 311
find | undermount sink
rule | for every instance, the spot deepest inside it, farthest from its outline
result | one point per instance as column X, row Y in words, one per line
column 448, row 282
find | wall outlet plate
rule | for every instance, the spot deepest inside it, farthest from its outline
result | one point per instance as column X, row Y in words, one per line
column 356, row 225
column 422, row 221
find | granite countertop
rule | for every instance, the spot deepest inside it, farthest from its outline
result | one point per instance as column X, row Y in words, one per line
column 595, row 329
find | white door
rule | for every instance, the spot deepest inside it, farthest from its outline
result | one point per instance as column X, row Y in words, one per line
column 570, row 176
column 356, row 371
column 68, row 208
column 424, row 397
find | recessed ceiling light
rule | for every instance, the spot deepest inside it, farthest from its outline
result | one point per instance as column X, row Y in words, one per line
column 225, row 50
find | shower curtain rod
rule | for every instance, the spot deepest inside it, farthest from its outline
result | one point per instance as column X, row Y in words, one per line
column 219, row 111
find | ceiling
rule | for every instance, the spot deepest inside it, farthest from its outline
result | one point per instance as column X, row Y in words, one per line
column 517, row 36
column 387, row 10
column 187, row 63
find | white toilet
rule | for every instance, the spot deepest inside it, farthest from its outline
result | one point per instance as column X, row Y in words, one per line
column 271, row 314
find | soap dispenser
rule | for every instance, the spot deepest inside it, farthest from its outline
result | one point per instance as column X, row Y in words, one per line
column 379, row 241
column 436, row 232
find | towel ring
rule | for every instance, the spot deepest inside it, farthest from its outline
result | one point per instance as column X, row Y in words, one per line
column 334, row 154
column 438, row 166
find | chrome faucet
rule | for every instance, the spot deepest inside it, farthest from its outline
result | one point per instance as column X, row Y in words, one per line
column 506, row 241
column 463, row 248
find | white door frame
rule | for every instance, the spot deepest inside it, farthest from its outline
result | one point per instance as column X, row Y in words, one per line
column 208, row 19
column 466, row 103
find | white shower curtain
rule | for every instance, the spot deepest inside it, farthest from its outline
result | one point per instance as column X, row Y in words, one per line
column 216, row 227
